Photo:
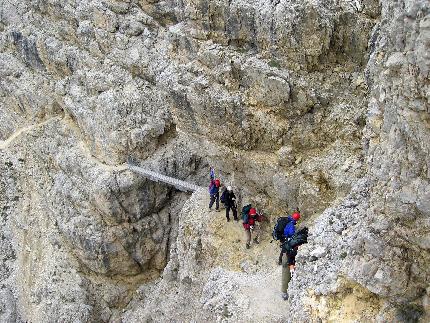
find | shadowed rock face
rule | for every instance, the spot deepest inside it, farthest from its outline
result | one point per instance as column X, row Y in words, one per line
column 28, row 50
column 74, row 226
column 379, row 235
column 318, row 105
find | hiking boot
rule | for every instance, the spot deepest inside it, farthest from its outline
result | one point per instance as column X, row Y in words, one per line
column 248, row 246
column 279, row 262
column 256, row 241
column 236, row 219
column 210, row 210
column 228, row 220
column 285, row 296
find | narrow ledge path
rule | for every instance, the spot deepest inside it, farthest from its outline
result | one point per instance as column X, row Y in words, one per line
column 151, row 175
column 4, row 144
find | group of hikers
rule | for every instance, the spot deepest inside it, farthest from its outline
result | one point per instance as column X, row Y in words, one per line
column 284, row 231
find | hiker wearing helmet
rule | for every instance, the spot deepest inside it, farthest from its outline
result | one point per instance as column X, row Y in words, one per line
column 289, row 230
column 229, row 199
column 250, row 219
column 288, row 255
column 214, row 194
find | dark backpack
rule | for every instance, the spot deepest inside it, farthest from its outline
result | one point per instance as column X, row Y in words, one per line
column 245, row 213
column 278, row 229
column 298, row 238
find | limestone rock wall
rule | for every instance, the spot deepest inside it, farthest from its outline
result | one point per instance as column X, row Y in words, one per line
column 76, row 228
column 379, row 238
column 320, row 105
column 254, row 72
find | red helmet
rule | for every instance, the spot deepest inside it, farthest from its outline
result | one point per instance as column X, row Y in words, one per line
column 296, row 216
column 217, row 183
column 252, row 211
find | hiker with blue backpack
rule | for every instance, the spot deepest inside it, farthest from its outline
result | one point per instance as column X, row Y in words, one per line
column 290, row 240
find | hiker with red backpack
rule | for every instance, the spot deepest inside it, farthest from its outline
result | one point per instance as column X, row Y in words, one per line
column 214, row 194
column 250, row 220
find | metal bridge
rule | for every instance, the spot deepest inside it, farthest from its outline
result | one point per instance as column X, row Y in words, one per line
column 157, row 177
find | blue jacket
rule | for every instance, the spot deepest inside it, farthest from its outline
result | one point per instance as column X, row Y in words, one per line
column 290, row 228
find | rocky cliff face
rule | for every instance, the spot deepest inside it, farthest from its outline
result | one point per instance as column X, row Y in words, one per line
column 319, row 105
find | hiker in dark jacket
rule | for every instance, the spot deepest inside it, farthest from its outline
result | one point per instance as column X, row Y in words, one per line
column 290, row 248
column 229, row 199
column 214, row 194
column 288, row 257
column 289, row 230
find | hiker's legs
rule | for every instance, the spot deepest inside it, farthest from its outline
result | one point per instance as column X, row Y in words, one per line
column 217, row 201
column 286, row 275
column 280, row 257
column 248, row 237
column 235, row 213
column 212, row 201
column 292, row 257
column 257, row 232
column 227, row 212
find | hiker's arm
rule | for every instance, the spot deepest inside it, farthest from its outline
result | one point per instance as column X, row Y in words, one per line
column 261, row 218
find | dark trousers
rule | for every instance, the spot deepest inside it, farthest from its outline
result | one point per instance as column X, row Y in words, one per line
column 291, row 258
column 227, row 212
column 214, row 197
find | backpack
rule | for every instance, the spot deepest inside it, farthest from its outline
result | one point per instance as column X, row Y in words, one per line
column 278, row 229
column 245, row 213
column 217, row 183
column 299, row 238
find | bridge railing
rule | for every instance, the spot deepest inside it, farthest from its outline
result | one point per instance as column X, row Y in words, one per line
column 157, row 177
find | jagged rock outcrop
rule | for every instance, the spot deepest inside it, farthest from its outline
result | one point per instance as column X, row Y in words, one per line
column 319, row 105
column 77, row 228
column 378, row 237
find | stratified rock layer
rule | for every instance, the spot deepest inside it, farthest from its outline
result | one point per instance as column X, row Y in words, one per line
column 318, row 105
